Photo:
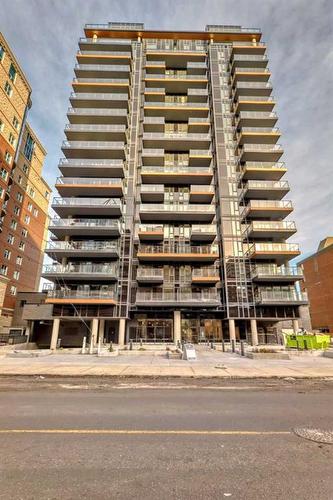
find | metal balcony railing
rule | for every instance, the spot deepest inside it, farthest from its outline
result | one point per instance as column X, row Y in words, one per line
column 176, row 169
column 246, row 57
column 97, row 111
column 267, row 185
column 103, row 53
column 252, row 70
column 120, row 81
column 106, row 41
column 93, row 202
column 74, row 181
column 84, row 268
column 179, row 249
column 247, row 44
column 266, row 148
column 260, row 130
column 204, row 228
column 159, row 207
column 271, row 226
column 93, row 144
column 255, row 98
column 95, row 128
column 83, row 245
column 264, row 164
column 198, row 120
column 152, row 188
column 67, row 293
column 180, row 296
column 149, row 228
column 257, row 204
column 176, row 135
column 203, row 272
column 88, row 223
column 273, row 247
column 154, row 76
column 281, row 296
column 254, row 85
column 200, row 152
column 257, row 114
column 103, row 67
column 98, row 96
column 177, row 104
column 276, row 271
column 149, row 272
column 202, row 188
column 91, row 163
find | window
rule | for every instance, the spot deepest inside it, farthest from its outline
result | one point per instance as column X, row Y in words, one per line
column 29, row 147
column 24, row 233
column 13, row 224
column 27, row 219
column 3, row 174
column 32, row 192
column 47, row 195
column 3, row 270
column 25, row 168
column 35, row 212
column 19, row 197
column 1, row 192
column 8, row 89
column 30, row 207
column 13, row 290
column 12, row 73
column 7, row 254
column 8, row 157
column 2, row 53
column 17, row 210
column 16, row 275
column 21, row 245
column 19, row 260
column 2, row 125
column 16, row 123
column 11, row 139
column 19, row 179
column 10, row 239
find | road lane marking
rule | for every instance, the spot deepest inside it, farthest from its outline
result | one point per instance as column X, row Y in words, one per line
column 145, row 432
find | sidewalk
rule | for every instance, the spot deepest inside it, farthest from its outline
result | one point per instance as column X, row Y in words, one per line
column 155, row 364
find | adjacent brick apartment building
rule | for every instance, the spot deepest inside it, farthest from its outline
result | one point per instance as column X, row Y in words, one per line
column 318, row 281
column 24, row 194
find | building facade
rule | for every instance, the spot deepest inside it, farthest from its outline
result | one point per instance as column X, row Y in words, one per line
column 24, row 195
column 171, row 215
column 318, row 282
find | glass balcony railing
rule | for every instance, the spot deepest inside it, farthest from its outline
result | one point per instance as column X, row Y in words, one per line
column 262, row 204
column 261, row 115
column 177, row 169
column 176, row 135
column 151, row 228
column 93, row 144
column 103, row 53
column 281, row 296
column 252, row 70
column 264, row 164
column 204, row 228
column 83, row 245
column 179, row 249
column 77, row 181
column 262, row 148
column 151, row 296
column 254, row 85
column 176, row 104
column 152, row 188
column 68, row 293
column 149, row 272
column 260, row 130
column 278, row 185
column 85, row 223
column 93, row 202
column 204, row 272
column 158, row 207
column 255, row 98
column 273, row 248
column 84, row 268
column 97, row 111
column 245, row 57
column 98, row 96
column 116, row 81
column 276, row 271
column 103, row 67
column 90, row 163
column 271, row 226
column 95, row 128
column 153, row 76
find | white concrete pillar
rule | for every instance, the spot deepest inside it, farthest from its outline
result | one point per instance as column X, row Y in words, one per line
column 177, row 327
column 121, row 332
column 94, row 332
column 101, row 330
column 232, row 330
column 254, row 332
column 295, row 325
column 55, row 333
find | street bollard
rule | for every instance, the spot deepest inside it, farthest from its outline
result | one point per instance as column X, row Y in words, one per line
column 131, row 345
column 111, row 347
column 211, row 345
column 297, row 344
column 233, row 345
column 223, row 346
column 242, row 348
column 84, row 342
column 99, row 347
column 141, row 344
column 305, row 344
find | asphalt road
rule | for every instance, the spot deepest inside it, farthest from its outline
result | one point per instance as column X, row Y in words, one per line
column 79, row 439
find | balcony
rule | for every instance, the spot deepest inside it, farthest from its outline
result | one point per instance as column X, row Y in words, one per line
column 256, row 119
column 281, row 297
column 81, row 272
column 176, row 83
column 90, row 248
column 258, row 135
column 98, row 71
column 252, row 88
column 248, row 48
column 98, row 116
column 203, row 232
column 250, row 74
column 152, row 192
column 78, row 186
column 177, row 110
column 274, row 190
column 200, row 157
column 279, row 252
column 93, row 149
column 154, row 124
column 254, row 170
column 186, row 213
column 74, row 296
column 260, row 152
column 176, row 141
column 271, row 272
column 197, row 95
column 201, row 193
column 201, row 125
column 152, row 156
column 261, row 104
column 248, row 61
column 76, row 132
column 174, row 253
column 149, row 274
column 205, row 276
column 87, row 206
column 84, row 227
column 267, row 209
column 275, row 230
column 150, row 232
column 106, row 45
column 98, row 100
column 160, row 297
column 170, row 174
column 92, row 168
column 102, row 57
column 117, row 85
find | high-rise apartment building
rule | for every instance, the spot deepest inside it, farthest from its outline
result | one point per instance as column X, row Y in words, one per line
column 171, row 215
column 24, row 194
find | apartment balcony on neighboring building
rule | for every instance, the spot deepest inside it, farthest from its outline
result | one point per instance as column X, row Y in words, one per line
column 186, row 213
column 274, row 190
column 240, row 61
column 86, row 132
column 267, row 209
column 57, row 250
column 98, row 100
column 203, row 232
column 83, row 167
column 105, row 45
column 178, row 141
column 153, row 275
column 111, row 57
column 256, row 119
column 103, row 85
column 200, row 157
column 199, row 125
column 151, row 232
column 281, row 297
column 249, row 75
column 94, row 149
column 89, row 186
column 178, row 253
column 255, row 170
column 198, row 95
column 176, row 174
column 97, row 71
column 176, row 82
column 275, row 230
column 279, row 252
column 85, row 295
column 260, row 152
column 272, row 272
column 98, row 116
column 84, row 227
column 252, row 89
column 83, row 271
column 152, row 193
column 261, row 104
column 205, row 275
column 177, row 110
column 87, row 206
column 165, row 297
column 201, row 193
column 196, row 68
column 257, row 135
column 239, row 47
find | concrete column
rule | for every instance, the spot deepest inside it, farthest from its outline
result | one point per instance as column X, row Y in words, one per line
column 177, row 329
column 121, row 332
column 232, row 330
column 101, row 330
column 55, row 333
column 94, row 332
column 254, row 332
column 295, row 325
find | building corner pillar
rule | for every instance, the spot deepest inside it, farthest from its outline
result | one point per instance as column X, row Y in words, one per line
column 94, row 332
column 55, row 334
column 177, row 332
column 295, row 325
column 121, row 333
column 254, row 332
